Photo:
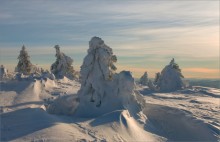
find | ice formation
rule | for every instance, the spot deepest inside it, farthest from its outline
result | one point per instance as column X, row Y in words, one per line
column 63, row 65
column 170, row 78
column 144, row 79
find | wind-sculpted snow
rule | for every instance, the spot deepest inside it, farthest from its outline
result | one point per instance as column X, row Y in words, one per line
column 185, row 115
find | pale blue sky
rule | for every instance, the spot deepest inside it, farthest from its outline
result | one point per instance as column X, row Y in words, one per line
column 144, row 35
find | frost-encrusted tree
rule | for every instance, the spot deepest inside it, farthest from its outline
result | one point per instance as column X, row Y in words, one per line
column 171, row 78
column 24, row 64
column 156, row 79
column 63, row 65
column 103, row 90
column 3, row 72
column 144, row 79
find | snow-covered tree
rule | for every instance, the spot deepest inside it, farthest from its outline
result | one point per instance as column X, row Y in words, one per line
column 63, row 65
column 156, row 79
column 24, row 64
column 171, row 78
column 102, row 89
column 144, row 79
column 3, row 72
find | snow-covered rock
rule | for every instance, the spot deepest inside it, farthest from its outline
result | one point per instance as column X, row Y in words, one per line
column 170, row 78
column 63, row 65
column 144, row 79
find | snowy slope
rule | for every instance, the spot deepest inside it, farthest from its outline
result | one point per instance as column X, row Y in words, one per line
column 186, row 115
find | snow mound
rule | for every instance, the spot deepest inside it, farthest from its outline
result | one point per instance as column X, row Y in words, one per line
column 63, row 105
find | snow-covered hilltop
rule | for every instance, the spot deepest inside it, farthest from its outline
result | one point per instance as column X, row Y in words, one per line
column 63, row 65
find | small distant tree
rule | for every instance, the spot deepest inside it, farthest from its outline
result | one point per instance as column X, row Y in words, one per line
column 24, row 64
column 176, row 67
column 63, row 65
column 170, row 78
column 144, row 79
column 157, row 76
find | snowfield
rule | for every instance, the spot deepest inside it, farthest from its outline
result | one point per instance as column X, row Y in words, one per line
column 186, row 115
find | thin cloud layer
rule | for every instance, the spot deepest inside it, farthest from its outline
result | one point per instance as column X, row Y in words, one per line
column 143, row 34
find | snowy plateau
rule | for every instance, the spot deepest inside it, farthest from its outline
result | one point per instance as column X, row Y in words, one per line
column 186, row 115
column 104, row 106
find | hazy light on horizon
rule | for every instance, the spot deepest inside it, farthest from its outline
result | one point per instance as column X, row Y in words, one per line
column 144, row 35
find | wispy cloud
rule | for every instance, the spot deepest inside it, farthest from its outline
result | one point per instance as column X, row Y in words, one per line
column 143, row 34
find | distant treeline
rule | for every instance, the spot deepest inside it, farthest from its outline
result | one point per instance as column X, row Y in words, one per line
column 214, row 83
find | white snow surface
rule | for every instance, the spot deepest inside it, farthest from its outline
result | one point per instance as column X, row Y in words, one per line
column 186, row 115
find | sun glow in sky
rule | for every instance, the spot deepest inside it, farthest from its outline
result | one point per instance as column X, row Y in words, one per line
column 145, row 35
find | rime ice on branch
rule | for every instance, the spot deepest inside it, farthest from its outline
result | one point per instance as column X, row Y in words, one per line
column 63, row 65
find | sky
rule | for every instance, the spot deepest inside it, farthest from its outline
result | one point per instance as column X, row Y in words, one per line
column 144, row 34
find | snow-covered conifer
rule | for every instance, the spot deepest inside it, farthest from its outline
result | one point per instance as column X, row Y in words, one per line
column 63, row 65
column 170, row 78
column 144, row 79
column 102, row 89
column 24, row 65
column 156, row 79
column 3, row 72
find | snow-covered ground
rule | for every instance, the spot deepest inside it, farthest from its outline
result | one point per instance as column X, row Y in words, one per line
column 187, row 115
